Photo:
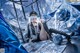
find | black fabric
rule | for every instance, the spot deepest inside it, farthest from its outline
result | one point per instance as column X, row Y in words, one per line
column 33, row 31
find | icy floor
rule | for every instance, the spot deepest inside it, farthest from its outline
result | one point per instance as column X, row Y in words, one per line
column 44, row 47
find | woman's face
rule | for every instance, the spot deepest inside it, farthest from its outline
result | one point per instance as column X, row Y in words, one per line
column 34, row 20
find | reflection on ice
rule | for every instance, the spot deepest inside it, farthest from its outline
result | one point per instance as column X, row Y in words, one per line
column 44, row 47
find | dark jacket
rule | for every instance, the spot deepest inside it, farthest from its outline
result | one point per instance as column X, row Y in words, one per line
column 33, row 30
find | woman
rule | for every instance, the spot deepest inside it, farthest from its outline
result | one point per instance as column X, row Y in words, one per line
column 36, row 29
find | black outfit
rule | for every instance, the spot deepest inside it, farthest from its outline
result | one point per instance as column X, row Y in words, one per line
column 33, row 31
column 49, row 31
